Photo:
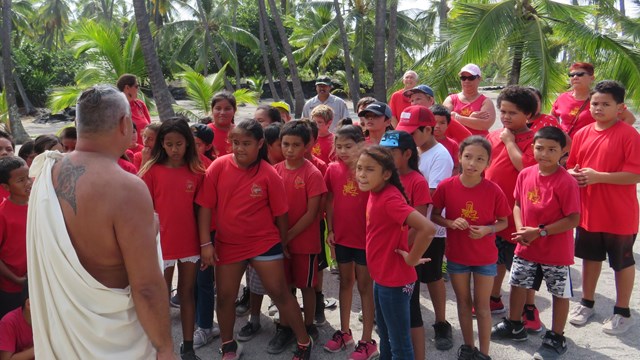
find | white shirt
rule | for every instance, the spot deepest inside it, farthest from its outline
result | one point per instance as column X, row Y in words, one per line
column 339, row 107
column 436, row 165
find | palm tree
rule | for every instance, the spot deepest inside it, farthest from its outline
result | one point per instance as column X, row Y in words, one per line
column 392, row 39
column 354, row 85
column 15, row 125
column 284, row 86
column 158, row 85
column 379, row 86
column 54, row 19
column 265, row 59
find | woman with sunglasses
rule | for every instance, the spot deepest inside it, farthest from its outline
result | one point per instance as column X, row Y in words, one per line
column 572, row 107
column 129, row 85
column 472, row 109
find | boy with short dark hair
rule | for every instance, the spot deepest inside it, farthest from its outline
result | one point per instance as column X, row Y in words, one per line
column 547, row 209
column 604, row 160
column 68, row 138
column 304, row 185
column 14, row 178
column 443, row 119
column 16, row 334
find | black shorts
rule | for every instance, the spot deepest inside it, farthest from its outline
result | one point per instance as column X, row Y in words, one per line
column 432, row 271
column 415, row 313
column 597, row 246
column 345, row 254
column 506, row 250
column 322, row 258
column 9, row 302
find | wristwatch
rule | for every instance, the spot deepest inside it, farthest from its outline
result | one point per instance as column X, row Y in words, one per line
column 542, row 231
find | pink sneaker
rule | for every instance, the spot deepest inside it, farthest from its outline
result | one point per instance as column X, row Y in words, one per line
column 339, row 341
column 531, row 319
column 365, row 350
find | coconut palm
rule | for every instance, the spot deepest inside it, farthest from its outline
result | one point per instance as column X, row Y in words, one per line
column 379, row 78
column 53, row 18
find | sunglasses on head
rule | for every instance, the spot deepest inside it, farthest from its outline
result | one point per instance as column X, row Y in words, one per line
column 469, row 78
column 577, row 73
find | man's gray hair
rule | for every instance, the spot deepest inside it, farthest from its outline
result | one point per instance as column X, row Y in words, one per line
column 411, row 72
column 100, row 108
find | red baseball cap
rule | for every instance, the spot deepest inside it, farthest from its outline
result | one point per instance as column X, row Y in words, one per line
column 414, row 117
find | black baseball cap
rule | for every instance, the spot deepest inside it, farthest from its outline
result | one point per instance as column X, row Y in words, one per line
column 202, row 132
column 378, row 108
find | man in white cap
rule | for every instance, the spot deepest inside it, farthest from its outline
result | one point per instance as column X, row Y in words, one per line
column 323, row 88
column 398, row 101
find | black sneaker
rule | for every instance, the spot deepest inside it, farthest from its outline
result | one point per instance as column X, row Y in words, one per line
column 507, row 329
column 477, row 355
column 444, row 338
column 242, row 304
column 248, row 331
column 319, row 318
column 303, row 352
column 187, row 355
column 312, row 330
column 174, row 301
column 281, row 340
column 231, row 350
column 553, row 346
column 465, row 352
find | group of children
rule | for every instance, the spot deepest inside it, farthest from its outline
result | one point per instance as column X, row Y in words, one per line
column 265, row 195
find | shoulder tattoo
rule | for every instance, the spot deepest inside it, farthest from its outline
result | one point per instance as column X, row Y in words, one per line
column 67, row 178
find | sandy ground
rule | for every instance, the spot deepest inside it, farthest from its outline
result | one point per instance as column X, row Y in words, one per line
column 587, row 342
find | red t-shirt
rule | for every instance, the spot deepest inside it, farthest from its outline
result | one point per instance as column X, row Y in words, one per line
column 398, row 102
column 387, row 212
column 453, row 148
column 465, row 109
column 416, row 188
column 480, row 205
column 13, row 242
column 221, row 144
column 302, row 184
column 502, row 172
column 127, row 166
column 541, row 121
column 173, row 191
column 606, row 207
column 457, row 132
column 319, row 164
column 137, row 160
column 205, row 160
column 4, row 194
column 544, row 200
column 245, row 202
column 349, row 206
column 16, row 335
column 139, row 116
column 566, row 108
column 323, row 149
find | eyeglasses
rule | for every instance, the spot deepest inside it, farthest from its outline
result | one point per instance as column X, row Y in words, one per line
column 468, row 78
column 390, row 140
column 577, row 73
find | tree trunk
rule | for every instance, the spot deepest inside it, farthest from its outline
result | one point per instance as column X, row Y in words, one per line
column 293, row 69
column 265, row 59
column 212, row 44
column 443, row 9
column 284, row 85
column 353, row 86
column 15, row 125
column 28, row 106
column 379, row 88
column 234, row 23
column 516, row 64
column 623, row 10
column 391, row 41
column 161, row 94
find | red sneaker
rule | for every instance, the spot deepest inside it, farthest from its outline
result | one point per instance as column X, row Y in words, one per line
column 531, row 319
column 497, row 307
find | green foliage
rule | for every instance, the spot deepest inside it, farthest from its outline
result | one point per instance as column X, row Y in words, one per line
column 4, row 110
column 256, row 83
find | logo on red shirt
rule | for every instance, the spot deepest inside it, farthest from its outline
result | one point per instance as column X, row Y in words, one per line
column 466, row 111
column 316, row 150
column 469, row 212
column 534, row 196
column 190, row 186
column 350, row 188
column 256, row 191
column 298, row 183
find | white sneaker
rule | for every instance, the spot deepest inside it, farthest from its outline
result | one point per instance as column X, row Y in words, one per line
column 617, row 324
column 202, row 337
column 580, row 314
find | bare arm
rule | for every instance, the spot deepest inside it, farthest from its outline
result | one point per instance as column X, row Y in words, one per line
column 517, row 215
column 313, row 206
column 424, row 231
column 515, row 155
column 588, row 176
column 448, row 103
column 6, row 273
column 525, row 235
column 207, row 252
column 23, row 355
column 479, row 120
column 628, row 117
column 422, row 209
column 329, row 211
column 282, row 222
column 134, row 229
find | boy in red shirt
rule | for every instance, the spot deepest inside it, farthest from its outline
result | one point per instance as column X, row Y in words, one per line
column 304, row 186
column 16, row 334
column 547, row 209
column 511, row 152
column 443, row 119
column 14, row 178
column 322, row 115
column 604, row 160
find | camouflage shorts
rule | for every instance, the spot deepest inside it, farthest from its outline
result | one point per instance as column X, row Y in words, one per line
column 529, row 275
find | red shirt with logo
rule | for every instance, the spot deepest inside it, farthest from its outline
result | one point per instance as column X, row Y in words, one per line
column 16, row 335
column 480, row 205
column 544, row 200
column 323, row 149
column 302, row 184
column 349, row 206
column 387, row 212
column 245, row 202
column 606, row 207
column 13, row 243
column 173, row 191
column 466, row 109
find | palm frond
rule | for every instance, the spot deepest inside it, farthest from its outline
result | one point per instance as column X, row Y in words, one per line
column 62, row 98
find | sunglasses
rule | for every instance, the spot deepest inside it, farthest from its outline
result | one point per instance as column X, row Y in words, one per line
column 577, row 73
column 468, row 78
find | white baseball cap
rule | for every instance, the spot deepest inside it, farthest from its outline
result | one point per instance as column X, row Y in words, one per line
column 472, row 69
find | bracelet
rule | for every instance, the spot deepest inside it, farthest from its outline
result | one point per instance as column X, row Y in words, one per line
column 206, row 244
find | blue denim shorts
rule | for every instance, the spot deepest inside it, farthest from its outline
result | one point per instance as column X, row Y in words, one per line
column 486, row 270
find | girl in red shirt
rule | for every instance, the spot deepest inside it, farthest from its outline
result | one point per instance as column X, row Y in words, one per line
column 149, row 135
column 346, row 223
column 475, row 209
column 388, row 218
column 174, row 175
column 242, row 188
column 223, row 110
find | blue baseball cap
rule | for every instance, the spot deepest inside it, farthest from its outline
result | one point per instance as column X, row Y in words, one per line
column 420, row 88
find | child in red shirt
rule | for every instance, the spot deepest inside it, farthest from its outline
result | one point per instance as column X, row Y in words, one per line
column 388, row 219
column 547, row 210
column 511, row 152
column 249, row 192
column 174, row 175
column 14, row 178
column 322, row 115
column 266, row 115
column 304, row 187
column 476, row 209
column 272, row 138
column 6, row 149
column 346, row 209
column 443, row 119
column 149, row 135
column 604, row 159
column 16, row 334
column 223, row 109
column 203, row 137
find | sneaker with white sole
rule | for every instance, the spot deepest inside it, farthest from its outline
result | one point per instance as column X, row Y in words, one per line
column 617, row 324
column 580, row 314
column 202, row 337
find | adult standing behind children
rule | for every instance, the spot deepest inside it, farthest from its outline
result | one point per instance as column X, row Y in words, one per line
column 469, row 107
column 129, row 85
column 323, row 88
column 398, row 102
column 87, row 225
